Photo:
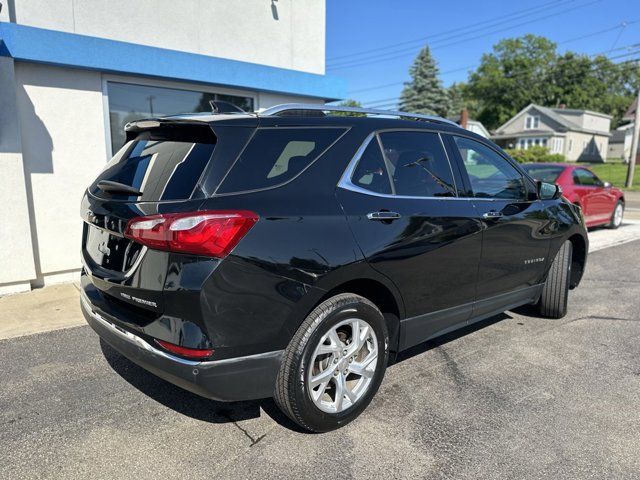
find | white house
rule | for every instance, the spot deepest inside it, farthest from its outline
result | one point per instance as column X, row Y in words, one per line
column 72, row 73
column 580, row 135
column 620, row 144
column 467, row 123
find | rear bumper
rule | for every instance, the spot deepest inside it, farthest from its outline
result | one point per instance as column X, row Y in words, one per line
column 233, row 379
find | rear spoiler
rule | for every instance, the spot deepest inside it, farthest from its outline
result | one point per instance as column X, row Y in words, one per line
column 170, row 129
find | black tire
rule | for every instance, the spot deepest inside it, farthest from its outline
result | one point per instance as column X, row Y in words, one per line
column 613, row 223
column 555, row 293
column 291, row 394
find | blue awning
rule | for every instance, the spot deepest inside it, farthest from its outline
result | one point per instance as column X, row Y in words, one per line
column 30, row 44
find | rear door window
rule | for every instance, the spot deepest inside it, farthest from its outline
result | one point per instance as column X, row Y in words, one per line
column 163, row 168
column 418, row 164
column 275, row 156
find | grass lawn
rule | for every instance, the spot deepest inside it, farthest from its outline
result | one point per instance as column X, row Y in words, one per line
column 616, row 173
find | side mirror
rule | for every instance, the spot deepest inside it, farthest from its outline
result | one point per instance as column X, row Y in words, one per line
column 548, row 191
column 607, row 185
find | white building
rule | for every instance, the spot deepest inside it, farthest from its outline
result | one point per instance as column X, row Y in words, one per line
column 620, row 143
column 579, row 135
column 72, row 73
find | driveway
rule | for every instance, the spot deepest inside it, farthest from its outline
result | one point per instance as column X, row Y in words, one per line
column 514, row 397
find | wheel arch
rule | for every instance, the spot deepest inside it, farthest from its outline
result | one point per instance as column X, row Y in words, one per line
column 382, row 296
column 578, row 259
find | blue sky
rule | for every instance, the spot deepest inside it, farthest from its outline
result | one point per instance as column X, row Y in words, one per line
column 371, row 28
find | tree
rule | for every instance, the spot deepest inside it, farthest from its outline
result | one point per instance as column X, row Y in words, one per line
column 511, row 77
column 349, row 103
column 596, row 84
column 456, row 99
column 459, row 99
column 525, row 70
column 425, row 93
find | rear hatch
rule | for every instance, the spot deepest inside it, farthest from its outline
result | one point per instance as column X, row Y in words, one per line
column 159, row 170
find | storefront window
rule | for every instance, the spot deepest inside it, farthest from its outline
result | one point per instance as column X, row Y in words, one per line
column 128, row 102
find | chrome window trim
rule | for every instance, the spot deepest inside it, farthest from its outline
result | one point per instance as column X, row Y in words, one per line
column 346, row 183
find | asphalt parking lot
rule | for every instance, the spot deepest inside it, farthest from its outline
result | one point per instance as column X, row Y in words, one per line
column 514, row 397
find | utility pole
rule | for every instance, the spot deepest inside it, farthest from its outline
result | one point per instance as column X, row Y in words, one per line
column 634, row 144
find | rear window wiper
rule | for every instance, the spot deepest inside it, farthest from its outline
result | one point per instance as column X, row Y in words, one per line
column 110, row 186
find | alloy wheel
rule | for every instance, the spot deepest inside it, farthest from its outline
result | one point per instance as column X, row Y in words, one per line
column 617, row 215
column 342, row 365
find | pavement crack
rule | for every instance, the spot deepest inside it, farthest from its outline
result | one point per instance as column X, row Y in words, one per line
column 248, row 435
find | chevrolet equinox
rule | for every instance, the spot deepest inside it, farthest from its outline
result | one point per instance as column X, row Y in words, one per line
column 289, row 253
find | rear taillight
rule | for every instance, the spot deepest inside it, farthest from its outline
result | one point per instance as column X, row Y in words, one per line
column 212, row 233
column 194, row 353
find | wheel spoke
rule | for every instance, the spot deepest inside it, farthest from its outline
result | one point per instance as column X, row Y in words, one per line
column 364, row 334
column 323, row 376
column 332, row 335
column 317, row 394
column 340, row 388
column 360, row 368
column 349, row 393
column 357, row 340
column 324, row 349
column 334, row 346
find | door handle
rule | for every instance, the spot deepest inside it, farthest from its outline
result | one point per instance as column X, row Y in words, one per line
column 492, row 215
column 383, row 216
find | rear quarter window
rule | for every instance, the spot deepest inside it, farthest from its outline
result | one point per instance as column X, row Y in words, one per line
column 275, row 156
column 164, row 166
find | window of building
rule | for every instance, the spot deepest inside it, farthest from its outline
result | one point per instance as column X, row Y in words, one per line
column 525, row 143
column 371, row 172
column 491, row 175
column 276, row 155
column 128, row 102
column 570, row 144
column 557, row 144
column 418, row 164
column 532, row 122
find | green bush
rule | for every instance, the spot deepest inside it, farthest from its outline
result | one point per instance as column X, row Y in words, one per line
column 536, row 154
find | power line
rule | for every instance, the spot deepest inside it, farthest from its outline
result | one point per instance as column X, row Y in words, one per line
column 436, row 45
column 594, row 68
column 518, row 14
column 622, row 25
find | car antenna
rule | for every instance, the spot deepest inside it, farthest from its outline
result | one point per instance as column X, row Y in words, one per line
column 214, row 107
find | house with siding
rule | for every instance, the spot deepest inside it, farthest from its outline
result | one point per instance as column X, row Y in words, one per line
column 620, row 142
column 580, row 135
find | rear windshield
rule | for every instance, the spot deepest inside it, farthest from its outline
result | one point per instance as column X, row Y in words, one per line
column 276, row 155
column 162, row 168
column 549, row 173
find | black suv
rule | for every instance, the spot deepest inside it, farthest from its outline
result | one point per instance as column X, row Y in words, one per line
column 288, row 253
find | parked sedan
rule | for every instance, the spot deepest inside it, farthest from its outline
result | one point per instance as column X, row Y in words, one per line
column 601, row 203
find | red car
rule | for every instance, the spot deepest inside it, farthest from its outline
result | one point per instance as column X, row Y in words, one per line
column 601, row 203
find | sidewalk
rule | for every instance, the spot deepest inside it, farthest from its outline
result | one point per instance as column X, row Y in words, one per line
column 41, row 310
column 632, row 207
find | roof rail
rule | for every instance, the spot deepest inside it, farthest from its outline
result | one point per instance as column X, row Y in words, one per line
column 278, row 109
